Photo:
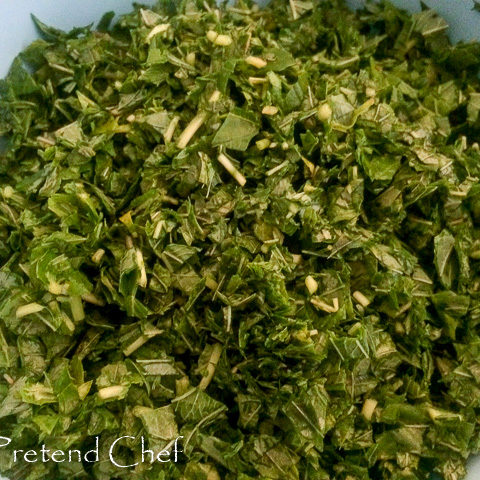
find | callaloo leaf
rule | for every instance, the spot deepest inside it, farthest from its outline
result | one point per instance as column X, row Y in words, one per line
column 444, row 259
column 245, row 239
column 53, row 34
column 279, row 59
column 236, row 131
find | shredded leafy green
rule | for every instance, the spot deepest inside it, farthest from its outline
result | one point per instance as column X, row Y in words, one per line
column 254, row 229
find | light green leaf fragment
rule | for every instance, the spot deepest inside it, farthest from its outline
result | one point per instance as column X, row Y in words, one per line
column 236, row 131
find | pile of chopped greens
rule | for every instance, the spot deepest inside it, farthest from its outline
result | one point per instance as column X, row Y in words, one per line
column 257, row 229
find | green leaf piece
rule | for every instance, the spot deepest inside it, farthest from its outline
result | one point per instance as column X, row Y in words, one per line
column 236, row 132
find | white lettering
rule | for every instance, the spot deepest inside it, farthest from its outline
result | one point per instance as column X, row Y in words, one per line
column 15, row 454
column 150, row 452
column 175, row 449
column 110, row 453
column 164, row 453
column 58, row 452
column 77, row 452
column 7, row 440
column 95, row 451
column 44, row 454
column 30, row 453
